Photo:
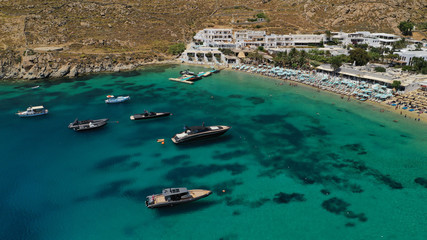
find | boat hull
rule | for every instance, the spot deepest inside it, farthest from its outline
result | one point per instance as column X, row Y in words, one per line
column 143, row 117
column 23, row 115
column 85, row 127
column 201, row 136
column 117, row 100
column 171, row 204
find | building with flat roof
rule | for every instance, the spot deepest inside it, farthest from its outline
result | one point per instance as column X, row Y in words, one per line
column 407, row 55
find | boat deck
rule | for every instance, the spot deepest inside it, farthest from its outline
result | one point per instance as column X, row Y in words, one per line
column 196, row 193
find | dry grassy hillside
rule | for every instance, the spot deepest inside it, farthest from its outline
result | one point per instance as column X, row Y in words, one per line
column 151, row 25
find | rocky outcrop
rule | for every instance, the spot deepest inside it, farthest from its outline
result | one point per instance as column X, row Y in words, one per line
column 49, row 65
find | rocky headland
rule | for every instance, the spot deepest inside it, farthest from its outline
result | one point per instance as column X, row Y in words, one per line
column 32, row 65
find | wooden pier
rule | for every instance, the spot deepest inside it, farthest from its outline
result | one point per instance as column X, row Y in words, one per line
column 181, row 80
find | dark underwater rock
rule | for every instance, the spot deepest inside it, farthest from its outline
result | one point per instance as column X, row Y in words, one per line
column 340, row 207
column 421, row 181
column 287, row 198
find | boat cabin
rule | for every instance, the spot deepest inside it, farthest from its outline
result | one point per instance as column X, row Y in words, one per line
column 36, row 109
column 175, row 194
column 196, row 129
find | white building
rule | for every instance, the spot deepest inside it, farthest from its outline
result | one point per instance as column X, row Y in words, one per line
column 247, row 38
column 372, row 39
column 406, row 55
column 225, row 38
column 213, row 37
column 385, row 39
column 307, row 39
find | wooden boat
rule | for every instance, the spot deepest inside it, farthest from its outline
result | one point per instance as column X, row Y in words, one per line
column 149, row 115
column 174, row 196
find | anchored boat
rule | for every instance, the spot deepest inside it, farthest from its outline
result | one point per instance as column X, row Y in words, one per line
column 33, row 111
column 119, row 99
column 149, row 115
column 186, row 72
column 199, row 132
column 207, row 74
column 87, row 124
column 174, row 196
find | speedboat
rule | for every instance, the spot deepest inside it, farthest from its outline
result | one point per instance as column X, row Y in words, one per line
column 192, row 77
column 199, row 132
column 119, row 99
column 201, row 74
column 207, row 74
column 33, row 111
column 186, row 72
column 149, row 115
column 87, row 124
column 174, row 196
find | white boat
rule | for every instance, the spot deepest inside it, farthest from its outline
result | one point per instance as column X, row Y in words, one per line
column 119, row 99
column 199, row 132
column 33, row 111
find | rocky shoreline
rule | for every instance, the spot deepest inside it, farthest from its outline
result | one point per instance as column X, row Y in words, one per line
column 32, row 66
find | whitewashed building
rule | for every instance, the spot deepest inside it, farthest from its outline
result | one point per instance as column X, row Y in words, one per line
column 226, row 38
column 372, row 39
column 407, row 55
column 213, row 37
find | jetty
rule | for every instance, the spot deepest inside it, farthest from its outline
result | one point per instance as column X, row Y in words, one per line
column 182, row 80
column 190, row 78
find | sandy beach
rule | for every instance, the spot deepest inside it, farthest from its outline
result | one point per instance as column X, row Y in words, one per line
column 400, row 114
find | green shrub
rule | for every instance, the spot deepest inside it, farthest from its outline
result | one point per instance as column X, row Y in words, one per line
column 379, row 69
column 261, row 15
column 176, row 49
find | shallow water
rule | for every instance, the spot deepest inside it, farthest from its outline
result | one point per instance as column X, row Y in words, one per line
column 297, row 164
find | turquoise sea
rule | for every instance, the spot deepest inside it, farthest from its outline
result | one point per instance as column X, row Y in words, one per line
column 297, row 163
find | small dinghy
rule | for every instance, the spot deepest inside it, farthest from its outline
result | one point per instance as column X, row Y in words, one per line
column 87, row 124
column 149, row 115
column 119, row 99
column 33, row 111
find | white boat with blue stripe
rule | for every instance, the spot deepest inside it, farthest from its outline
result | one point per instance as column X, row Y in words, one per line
column 33, row 111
